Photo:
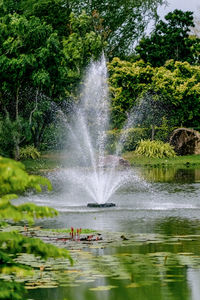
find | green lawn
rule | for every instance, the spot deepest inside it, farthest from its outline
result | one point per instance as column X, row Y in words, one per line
column 50, row 161
column 188, row 160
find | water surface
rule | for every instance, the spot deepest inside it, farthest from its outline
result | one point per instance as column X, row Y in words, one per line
column 161, row 210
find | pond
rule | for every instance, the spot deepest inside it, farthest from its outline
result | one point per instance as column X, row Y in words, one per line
column 159, row 256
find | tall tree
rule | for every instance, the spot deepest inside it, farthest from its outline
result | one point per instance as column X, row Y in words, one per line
column 53, row 12
column 37, row 66
column 170, row 40
column 30, row 56
column 175, row 86
column 121, row 22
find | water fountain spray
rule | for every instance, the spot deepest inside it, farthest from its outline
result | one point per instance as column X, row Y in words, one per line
column 98, row 173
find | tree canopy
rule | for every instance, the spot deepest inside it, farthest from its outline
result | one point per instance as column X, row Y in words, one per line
column 39, row 65
column 121, row 22
column 171, row 40
column 175, row 85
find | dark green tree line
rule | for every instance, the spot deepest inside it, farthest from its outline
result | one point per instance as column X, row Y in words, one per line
column 38, row 65
column 173, row 89
column 121, row 22
column 171, row 40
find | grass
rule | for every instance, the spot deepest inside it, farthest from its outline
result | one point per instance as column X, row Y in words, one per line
column 187, row 160
column 47, row 162
column 50, row 161
column 40, row 164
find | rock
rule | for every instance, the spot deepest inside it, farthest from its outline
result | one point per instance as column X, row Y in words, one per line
column 185, row 141
column 113, row 160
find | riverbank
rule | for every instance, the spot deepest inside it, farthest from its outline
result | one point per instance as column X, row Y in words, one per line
column 54, row 160
column 187, row 160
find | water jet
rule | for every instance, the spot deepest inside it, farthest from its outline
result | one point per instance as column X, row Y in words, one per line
column 94, row 170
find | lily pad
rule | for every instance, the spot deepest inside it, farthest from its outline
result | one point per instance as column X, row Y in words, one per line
column 103, row 288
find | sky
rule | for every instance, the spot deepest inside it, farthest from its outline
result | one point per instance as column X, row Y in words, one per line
column 191, row 5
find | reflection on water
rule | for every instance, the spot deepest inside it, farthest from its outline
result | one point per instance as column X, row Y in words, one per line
column 161, row 262
column 171, row 174
column 145, row 266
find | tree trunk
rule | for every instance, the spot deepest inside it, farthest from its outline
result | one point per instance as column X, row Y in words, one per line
column 17, row 138
column 152, row 132
column 16, row 150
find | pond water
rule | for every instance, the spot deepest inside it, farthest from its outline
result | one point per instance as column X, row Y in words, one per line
column 160, row 215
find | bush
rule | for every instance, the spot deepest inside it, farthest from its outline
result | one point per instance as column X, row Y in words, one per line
column 29, row 152
column 14, row 179
column 133, row 136
column 130, row 138
column 156, row 149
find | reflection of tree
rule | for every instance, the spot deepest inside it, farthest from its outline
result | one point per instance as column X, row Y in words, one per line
column 179, row 226
column 170, row 174
column 145, row 267
column 145, row 276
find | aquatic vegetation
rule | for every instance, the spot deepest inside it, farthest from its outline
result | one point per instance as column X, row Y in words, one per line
column 155, row 149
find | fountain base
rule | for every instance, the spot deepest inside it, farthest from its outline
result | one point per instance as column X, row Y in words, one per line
column 101, row 205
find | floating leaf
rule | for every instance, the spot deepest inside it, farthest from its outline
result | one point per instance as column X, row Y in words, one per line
column 133, row 285
column 103, row 288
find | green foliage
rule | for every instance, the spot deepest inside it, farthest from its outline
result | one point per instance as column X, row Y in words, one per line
column 81, row 45
column 11, row 290
column 29, row 152
column 175, row 87
column 43, row 52
column 53, row 12
column 14, row 242
column 163, row 132
column 170, row 40
column 155, row 149
column 120, row 23
column 14, row 179
column 7, row 132
column 23, row 212
column 178, row 162
column 179, row 84
column 132, row 137
column 128, row 82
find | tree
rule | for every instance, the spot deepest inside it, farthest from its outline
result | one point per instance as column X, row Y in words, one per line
column 178, row 83
column 54, row 12
column 82, row 45
column 39, row 66
column 175, row 86
column 30, row 57
column 14, row 179
column 128, row 81
column 196, row 29
column 170, row 40
column 120, row 22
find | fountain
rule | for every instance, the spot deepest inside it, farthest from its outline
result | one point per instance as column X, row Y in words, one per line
column 98, row 173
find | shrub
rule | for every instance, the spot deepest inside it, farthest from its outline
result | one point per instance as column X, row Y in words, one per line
column 156, row 149
column 130, row 138
column 133, row 136
column 14, row 179
column 29, row 152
